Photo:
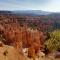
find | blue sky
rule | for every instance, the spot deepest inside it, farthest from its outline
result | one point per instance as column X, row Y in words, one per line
column 45, row 5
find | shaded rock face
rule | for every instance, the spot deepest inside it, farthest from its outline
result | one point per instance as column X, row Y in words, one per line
column 10, row 53
column 56, row 54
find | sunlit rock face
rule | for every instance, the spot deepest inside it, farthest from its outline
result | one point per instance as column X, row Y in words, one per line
column 30, row 36
column 12, row 35
column 33, row 40
column 23, row 37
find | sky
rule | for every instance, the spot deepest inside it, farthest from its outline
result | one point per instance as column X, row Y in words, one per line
column 45, row 5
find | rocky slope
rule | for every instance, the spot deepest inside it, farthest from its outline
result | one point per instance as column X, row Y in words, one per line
column 9, row 53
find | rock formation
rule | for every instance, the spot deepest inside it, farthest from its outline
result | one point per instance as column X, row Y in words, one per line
column 9, row 53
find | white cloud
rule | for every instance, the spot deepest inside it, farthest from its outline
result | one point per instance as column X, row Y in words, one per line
column 46, row 5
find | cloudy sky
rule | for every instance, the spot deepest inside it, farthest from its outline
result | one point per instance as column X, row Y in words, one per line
column 45, row 5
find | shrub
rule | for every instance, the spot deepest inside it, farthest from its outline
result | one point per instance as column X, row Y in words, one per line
column 53, row 43
column 2, row 38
